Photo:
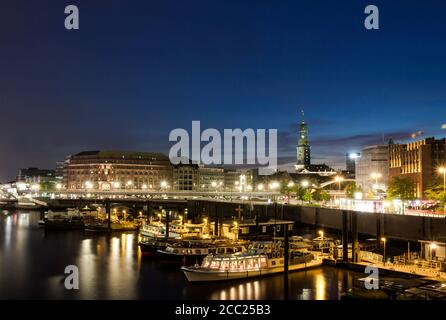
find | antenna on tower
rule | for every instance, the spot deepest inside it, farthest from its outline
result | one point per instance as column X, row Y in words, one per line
column 303, row 115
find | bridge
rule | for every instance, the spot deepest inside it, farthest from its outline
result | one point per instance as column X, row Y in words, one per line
column 113, row 194
column 325, row 184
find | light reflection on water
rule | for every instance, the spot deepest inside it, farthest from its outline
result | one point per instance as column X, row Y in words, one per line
column 33, row 261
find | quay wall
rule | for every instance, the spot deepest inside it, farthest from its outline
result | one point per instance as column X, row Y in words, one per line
column 392, row 226
column 401, row 227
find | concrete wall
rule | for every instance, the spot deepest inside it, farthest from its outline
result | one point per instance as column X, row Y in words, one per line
column 391, row 225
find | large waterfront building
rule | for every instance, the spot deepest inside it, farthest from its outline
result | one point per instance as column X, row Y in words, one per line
column 121, row 170
column 106, row 170
column 372, row 168
column 418, row 161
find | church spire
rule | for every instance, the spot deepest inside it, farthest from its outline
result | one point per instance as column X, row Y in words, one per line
column 303, row 146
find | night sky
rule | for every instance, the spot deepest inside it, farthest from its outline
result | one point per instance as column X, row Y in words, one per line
column 138, row 69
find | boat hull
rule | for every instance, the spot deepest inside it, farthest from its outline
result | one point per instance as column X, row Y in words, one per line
column 196, row 275
column 151, row 248
column 113, row 228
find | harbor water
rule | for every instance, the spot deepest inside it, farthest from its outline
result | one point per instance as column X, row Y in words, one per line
column 32, row 265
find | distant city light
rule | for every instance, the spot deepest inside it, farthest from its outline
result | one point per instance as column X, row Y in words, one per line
column 88, row 185
column 273, row 185
column 353, row 155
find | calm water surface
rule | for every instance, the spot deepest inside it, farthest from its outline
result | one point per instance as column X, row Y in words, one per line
column 32, row 264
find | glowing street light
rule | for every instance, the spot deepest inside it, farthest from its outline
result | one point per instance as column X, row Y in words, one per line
column 144, row 186
column 376, row 176
column 442, row 170
column 384, row 240
column 274, row 185
column 88, row 185
column 290, row 184
column 339, row 180
column 58, row 186
column 305, row 183
column 260, row 187
column 163, row 184
column 116, row 185
column 322, row 234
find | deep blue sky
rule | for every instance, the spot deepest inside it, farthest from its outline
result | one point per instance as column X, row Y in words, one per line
column 137, row 69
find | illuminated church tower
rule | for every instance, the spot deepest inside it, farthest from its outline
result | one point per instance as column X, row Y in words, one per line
column 303, row 147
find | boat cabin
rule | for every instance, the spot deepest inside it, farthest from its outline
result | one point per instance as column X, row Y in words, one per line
column 249, row 229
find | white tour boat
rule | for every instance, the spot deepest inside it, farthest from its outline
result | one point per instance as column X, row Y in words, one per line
column 263, row 258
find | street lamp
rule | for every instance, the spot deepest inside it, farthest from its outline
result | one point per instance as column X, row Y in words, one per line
column 163, row 184
column 432, row 246
column 376, row 176
column 273, row 185
column 260, row 187
column 384, row 240
column 339, row 180
column 88, row 185
column 442, row 170
column 305, row 183
column 116, row 185
column 290, row 184
column 322, row 234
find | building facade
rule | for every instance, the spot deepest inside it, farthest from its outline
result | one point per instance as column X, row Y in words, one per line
column 121, row 170
column 185, row 177
column 107, row 170
column 417, row 161
column 211, row 179
column 372, row 168
column 36, row 175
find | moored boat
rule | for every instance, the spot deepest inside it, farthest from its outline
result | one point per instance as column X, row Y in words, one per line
column 264, row 258
column 193, row 251
column 150, row 246
column 104, row 226
column 70, row 220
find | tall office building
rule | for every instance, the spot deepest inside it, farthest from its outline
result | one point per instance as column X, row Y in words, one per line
column 372, row 168
column 418, row 161
column 350, row 161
